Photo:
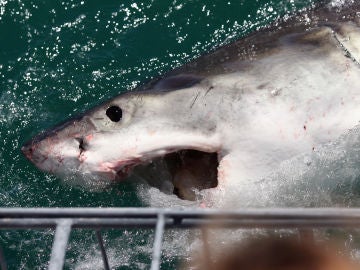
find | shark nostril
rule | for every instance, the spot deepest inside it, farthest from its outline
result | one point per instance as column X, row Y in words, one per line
column 81, row 144
column 27, row 148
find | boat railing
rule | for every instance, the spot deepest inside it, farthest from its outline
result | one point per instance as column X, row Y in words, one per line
column 64, row 220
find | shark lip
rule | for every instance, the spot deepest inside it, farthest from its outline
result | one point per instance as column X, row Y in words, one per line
column 122, row 168
column 124, row 172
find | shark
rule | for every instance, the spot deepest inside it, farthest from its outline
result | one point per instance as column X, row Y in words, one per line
column 231, row 115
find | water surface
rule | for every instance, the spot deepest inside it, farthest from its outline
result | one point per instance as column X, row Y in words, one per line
column 58, row 58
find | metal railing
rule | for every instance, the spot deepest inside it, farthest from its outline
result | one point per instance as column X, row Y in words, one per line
column 63, row 220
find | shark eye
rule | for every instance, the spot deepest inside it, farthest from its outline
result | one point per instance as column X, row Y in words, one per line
column 114, row 113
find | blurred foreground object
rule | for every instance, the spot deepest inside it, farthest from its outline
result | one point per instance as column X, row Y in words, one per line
column 278, row 254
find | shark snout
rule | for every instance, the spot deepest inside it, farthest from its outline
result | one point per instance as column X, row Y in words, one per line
column 31, row 151
column 28, row 150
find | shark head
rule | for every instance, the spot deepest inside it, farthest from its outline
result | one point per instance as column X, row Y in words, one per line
column 104, row 144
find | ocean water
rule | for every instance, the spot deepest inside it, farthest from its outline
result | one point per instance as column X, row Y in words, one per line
column 58, row 58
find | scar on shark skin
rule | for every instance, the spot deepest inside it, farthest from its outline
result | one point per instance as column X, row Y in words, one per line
column 194, row 100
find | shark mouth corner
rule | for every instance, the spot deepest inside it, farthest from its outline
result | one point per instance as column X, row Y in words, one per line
column 183, row 173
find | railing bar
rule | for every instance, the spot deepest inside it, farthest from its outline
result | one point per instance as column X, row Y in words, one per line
column 156, row 256
column 94, row 218
column 320, row 213
column 61, row 238
column 103, row 251
column 97, row 223
column 3, row 264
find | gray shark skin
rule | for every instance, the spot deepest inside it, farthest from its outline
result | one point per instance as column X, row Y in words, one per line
column 282, row 91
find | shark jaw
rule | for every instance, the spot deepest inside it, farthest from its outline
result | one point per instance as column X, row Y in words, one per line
column 183, row 172
column 76, row 159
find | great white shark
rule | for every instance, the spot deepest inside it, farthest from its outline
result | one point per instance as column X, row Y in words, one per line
column 231, row 115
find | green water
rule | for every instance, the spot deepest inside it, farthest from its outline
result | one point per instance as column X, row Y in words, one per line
column 58, row 58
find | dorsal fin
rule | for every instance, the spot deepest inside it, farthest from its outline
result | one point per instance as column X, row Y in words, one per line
column 177, row 82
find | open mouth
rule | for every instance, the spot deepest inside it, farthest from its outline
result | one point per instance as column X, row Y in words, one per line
column 183, row 173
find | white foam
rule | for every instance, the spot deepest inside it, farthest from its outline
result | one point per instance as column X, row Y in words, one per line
column 340, row 3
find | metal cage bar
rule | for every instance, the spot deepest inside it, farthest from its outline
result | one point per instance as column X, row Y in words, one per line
column 156, row 257
column 66, row 219
column 103, row 251
column 61, row 238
